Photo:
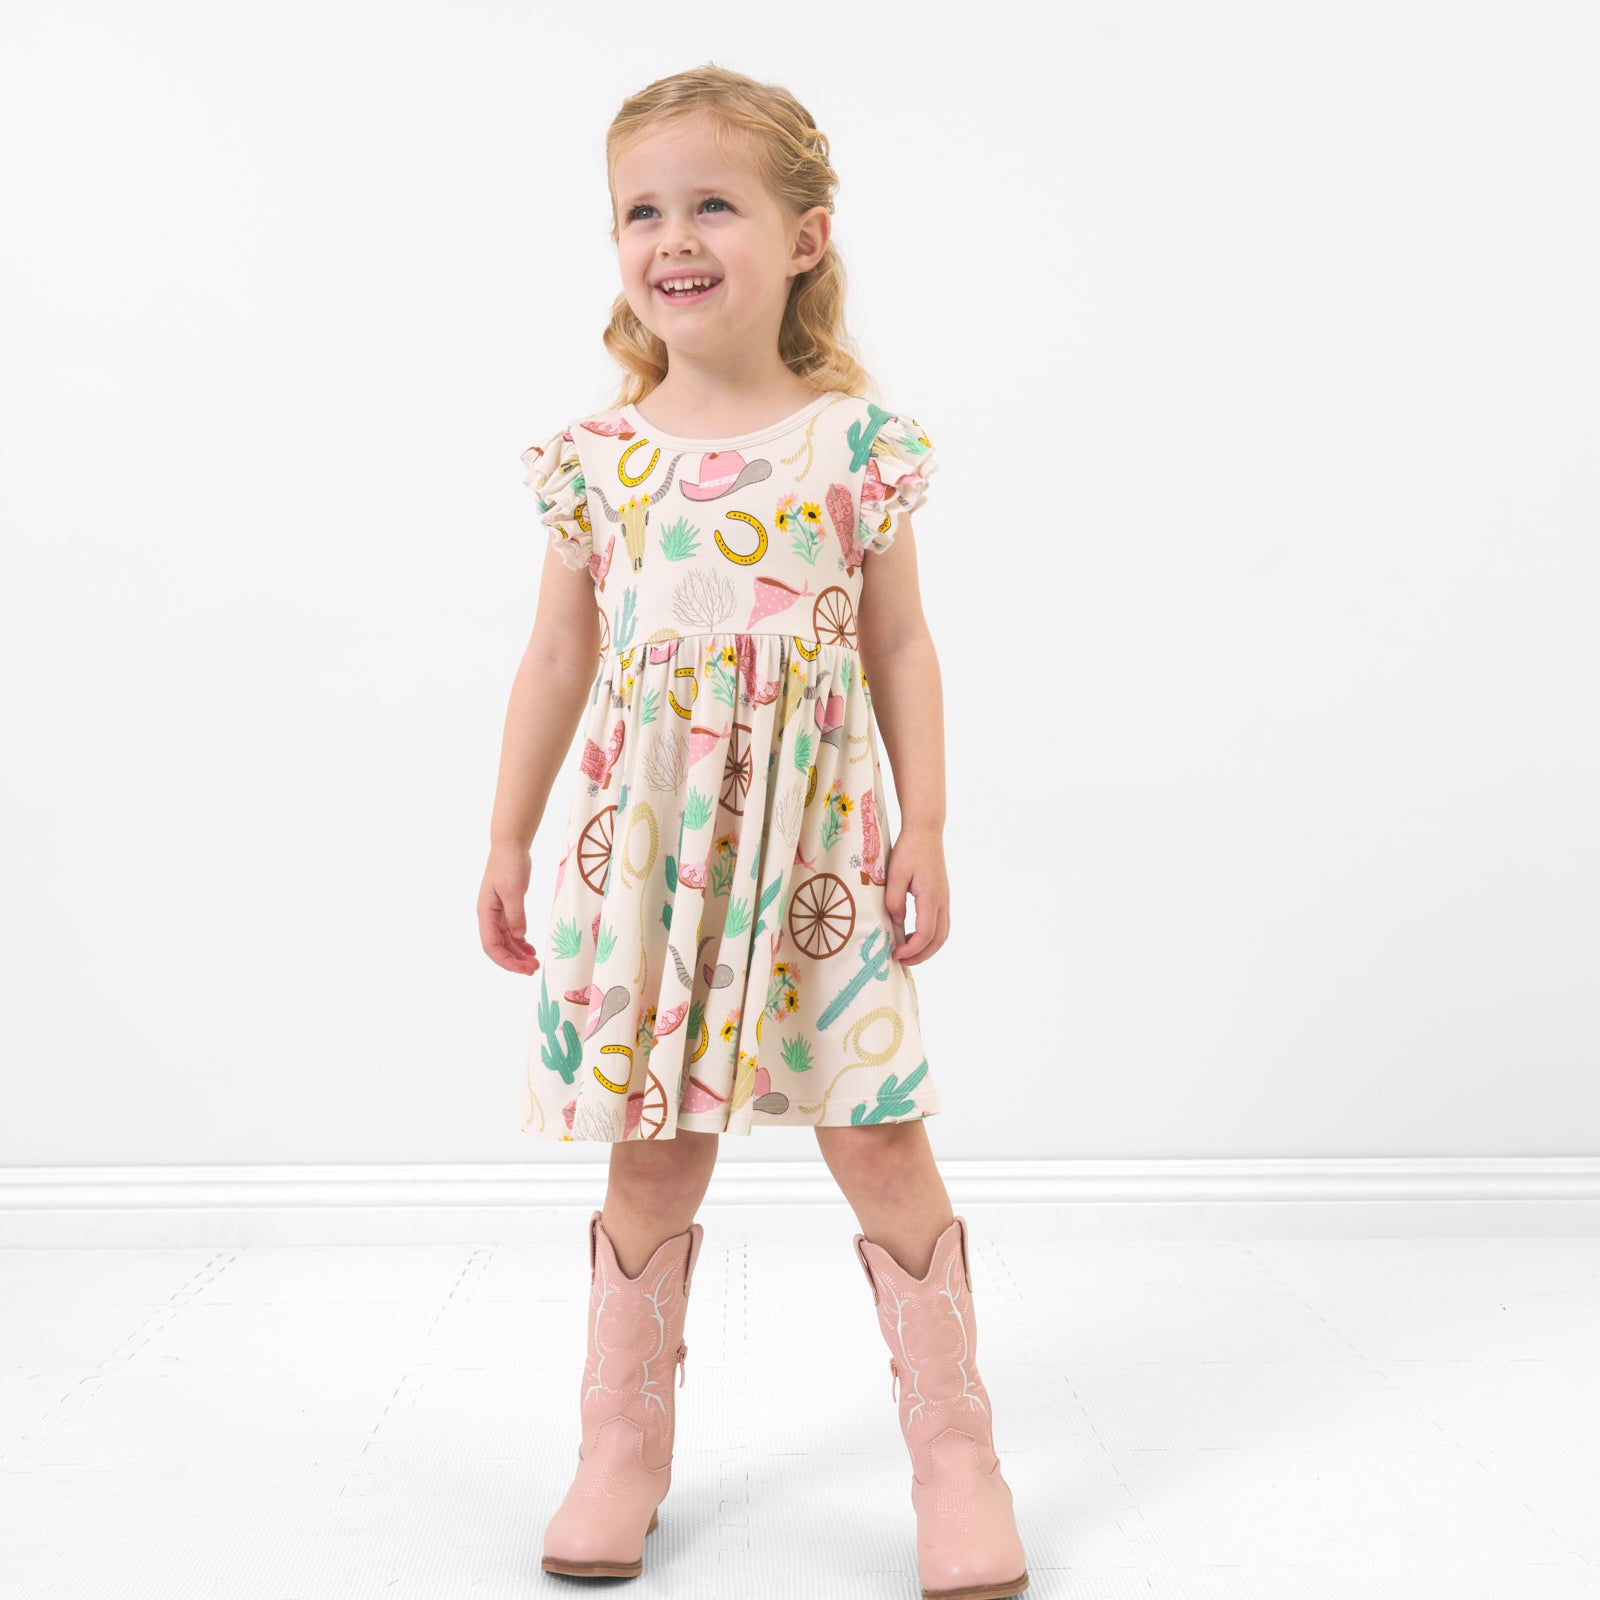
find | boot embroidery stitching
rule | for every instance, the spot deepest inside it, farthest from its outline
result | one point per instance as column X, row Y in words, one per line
column 969, row 1388
column 963, row 1495
column 656, row 1299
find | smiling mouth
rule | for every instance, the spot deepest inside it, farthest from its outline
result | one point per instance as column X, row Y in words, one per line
column 682, row 297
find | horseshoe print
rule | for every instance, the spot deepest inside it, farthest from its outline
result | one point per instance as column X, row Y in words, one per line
column 761, row 539
column 629, row 480
column 685, row 711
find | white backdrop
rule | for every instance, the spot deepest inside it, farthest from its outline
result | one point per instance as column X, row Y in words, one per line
column 1268, row 332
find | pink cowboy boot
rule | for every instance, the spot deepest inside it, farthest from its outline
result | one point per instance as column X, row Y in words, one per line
column 628, row 1409
column 967, row 1542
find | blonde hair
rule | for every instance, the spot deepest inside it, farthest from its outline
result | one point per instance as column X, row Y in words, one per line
column 790, row 154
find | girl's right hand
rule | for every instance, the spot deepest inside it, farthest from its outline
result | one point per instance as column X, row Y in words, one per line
column 502, row 927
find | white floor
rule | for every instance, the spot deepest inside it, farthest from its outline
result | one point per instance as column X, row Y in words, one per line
column 1257, row 1420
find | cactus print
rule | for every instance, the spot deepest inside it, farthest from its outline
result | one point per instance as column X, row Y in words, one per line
column 718, row 954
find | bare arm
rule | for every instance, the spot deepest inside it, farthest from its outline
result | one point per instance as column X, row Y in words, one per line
column 903, row 671
column 908, row 705
column 548, row 695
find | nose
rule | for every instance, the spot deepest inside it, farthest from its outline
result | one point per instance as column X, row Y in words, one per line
column 681, row 249
column 677, row 239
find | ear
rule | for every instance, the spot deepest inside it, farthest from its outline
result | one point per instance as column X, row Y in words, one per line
column 813, row 229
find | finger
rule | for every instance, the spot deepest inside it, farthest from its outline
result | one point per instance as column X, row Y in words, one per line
column 503, row 947
column 526, row 962
column 906, row 952
column 894, row 901
column 918, row 946
column 513, row 960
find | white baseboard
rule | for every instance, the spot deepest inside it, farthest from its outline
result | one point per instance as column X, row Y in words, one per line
column 527, row 1203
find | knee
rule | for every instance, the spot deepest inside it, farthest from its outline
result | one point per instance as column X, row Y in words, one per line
column 870, row 1152
column 665, row 1167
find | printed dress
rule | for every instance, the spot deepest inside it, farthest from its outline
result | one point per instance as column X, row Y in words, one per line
column 718, row 954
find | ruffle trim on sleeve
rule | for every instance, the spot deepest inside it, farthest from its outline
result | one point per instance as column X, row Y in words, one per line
column 896, row 479
column 555, row 474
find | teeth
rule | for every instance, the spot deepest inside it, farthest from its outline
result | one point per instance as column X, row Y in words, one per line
column 671, row 284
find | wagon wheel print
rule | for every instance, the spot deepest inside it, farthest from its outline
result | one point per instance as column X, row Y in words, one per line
column 594, row 848
column 605, row 631
column 822, row 915
column 653, row 1111
column 736, row 775
column 833, row 617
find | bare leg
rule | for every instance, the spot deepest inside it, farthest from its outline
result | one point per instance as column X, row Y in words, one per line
column 654, row 1189
column 889, row 1176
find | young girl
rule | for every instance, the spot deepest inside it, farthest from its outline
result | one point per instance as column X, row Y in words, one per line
column 727, row 951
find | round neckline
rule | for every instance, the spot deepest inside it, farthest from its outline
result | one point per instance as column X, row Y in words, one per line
column 756, row 436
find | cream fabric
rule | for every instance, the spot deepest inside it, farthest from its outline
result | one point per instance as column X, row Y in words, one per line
column 718, row 948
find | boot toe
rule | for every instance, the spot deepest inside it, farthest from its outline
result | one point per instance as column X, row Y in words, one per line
column 990, row 1571
column 970, row 1586
column 580, row 1541
column 970, row 1548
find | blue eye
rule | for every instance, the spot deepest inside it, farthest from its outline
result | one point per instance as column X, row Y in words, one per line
column 710, row 199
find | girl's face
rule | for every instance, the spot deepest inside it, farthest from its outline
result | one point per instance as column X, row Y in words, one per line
column 685, row 210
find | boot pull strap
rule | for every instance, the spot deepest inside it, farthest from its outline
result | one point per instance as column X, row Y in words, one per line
column 866, row 1267
column 696, row 1235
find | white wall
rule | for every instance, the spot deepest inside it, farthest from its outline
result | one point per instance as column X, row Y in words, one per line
column 1260, row 347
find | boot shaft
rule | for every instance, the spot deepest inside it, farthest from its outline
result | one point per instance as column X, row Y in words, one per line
column 931, row 1329
column 635, row 1339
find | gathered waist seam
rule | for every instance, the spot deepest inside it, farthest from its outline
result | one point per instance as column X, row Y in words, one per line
column 809, row 641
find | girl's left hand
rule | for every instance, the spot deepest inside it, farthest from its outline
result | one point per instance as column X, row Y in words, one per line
column 916, row 864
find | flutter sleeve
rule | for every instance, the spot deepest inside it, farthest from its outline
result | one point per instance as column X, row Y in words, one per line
column 555, row 474
column 898, row 470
